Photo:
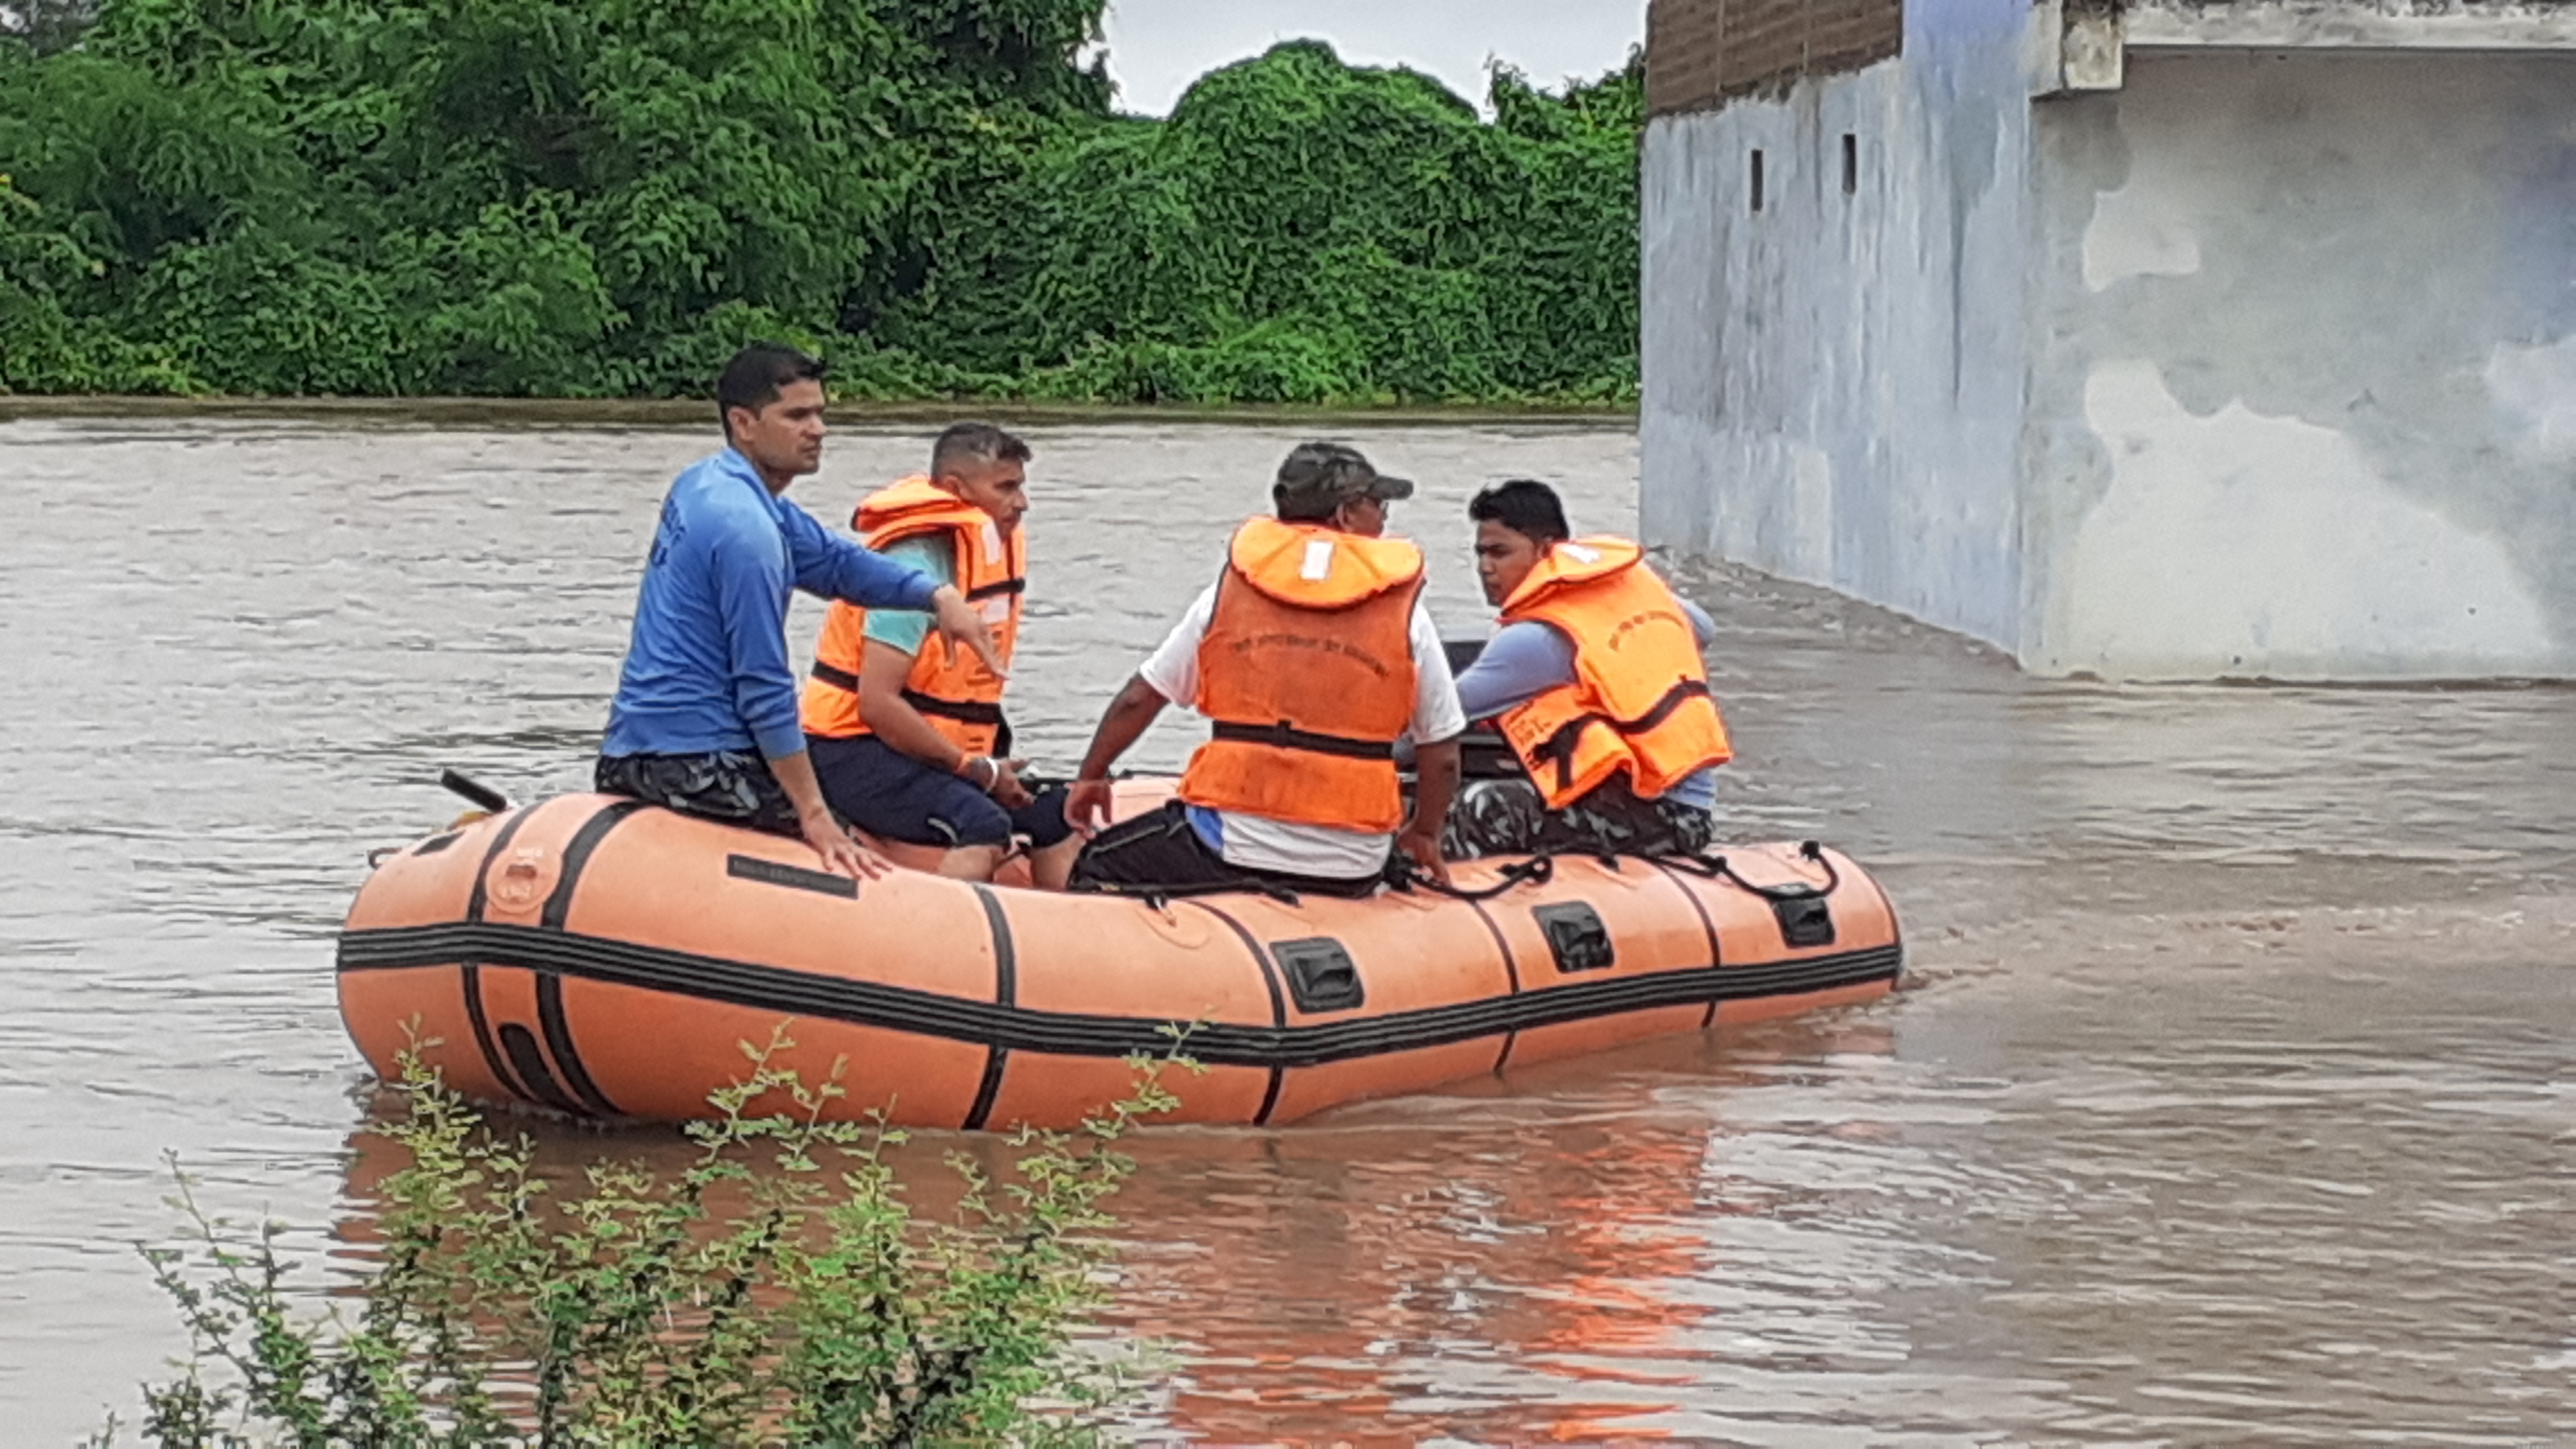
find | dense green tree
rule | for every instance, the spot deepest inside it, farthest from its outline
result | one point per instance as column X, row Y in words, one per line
column 46, row 26
column 587, row 197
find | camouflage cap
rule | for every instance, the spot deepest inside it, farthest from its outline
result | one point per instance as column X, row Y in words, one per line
column 1320, row 477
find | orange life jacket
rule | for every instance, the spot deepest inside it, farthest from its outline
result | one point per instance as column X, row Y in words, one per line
column 1640, row 702
column 960, row 697
column 1307, row 675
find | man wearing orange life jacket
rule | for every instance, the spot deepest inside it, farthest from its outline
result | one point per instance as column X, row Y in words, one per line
column 906, row 731
column 1597, row 682
column 1311, row 656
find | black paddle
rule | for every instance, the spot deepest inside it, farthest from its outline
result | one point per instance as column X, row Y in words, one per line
column 483, row 797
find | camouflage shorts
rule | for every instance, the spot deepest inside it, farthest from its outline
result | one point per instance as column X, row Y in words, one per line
column 1506, row 817
column 735, row 786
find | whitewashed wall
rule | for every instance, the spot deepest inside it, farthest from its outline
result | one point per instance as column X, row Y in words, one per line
column 2306, row 401
column 2263, row 364
column 1833, row 386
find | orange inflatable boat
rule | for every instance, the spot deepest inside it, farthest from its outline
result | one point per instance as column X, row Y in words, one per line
column 605, row 959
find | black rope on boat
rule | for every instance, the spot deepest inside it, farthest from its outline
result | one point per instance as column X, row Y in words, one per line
column 1161, row 896
column 1716, row 867
column 1406, row 877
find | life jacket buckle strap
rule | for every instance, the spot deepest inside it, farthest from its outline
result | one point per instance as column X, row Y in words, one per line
column 1285, row 736
column 964, row 711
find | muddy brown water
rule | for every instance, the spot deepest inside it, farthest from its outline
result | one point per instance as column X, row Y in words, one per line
column 2233, row 1098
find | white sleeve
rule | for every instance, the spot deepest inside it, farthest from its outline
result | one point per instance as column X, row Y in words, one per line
column 1173, row 671
column 1437, row 717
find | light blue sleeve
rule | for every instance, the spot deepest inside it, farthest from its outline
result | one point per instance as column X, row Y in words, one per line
column 829, row 566
column 1521, row 663
column 1701, row 624
column 909, row 629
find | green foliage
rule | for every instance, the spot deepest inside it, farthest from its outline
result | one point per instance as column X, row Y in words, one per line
column 45, row 26
column 598, row 197
column 799, row 1302
column 1301, row 231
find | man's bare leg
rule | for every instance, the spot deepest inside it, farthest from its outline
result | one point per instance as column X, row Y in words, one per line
column 972, row 862
column 1051, row 869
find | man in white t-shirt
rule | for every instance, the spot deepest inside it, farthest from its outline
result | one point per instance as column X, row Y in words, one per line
column 1312, row 655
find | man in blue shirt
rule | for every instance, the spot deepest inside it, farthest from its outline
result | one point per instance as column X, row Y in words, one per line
column 1516, row 524
column 705, row 719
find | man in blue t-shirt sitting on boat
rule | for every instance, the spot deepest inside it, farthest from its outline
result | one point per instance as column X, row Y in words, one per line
column 705, row 719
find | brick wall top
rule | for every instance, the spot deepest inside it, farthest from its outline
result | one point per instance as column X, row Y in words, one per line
column 1700, row 54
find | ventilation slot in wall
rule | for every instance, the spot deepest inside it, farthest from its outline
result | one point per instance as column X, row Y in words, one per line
column 1851, row 164
column 1757, row 181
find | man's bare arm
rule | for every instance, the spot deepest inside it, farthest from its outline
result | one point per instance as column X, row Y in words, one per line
column 1129, row 715
column 1436, row 771
column 882, row 673
column 823, row 831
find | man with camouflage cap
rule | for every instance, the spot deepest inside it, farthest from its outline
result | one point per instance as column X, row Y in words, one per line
column 1311, row 656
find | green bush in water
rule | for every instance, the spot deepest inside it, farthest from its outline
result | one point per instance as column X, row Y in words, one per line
column 796, row 1303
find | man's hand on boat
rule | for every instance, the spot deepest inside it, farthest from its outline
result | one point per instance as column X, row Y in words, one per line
column 1089, row 805
column 841, row 855
column 820, row 827
column 964, row 627
column 1422, row 847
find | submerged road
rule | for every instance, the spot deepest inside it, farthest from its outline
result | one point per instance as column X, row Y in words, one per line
column 2233, row 1099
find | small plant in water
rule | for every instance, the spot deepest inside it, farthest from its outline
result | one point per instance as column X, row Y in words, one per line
column 802, row 1304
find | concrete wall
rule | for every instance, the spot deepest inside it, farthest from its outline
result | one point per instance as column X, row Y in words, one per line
column 2262, row 362
column 2304, row 401
column 2384, row 24
column 1834, row 385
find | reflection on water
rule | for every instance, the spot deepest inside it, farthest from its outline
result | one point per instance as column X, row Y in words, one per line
column 2232, row 1100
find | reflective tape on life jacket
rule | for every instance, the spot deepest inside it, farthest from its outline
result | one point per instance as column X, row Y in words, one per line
column 1640, row 704
column 1307, row 675
column 950, row 687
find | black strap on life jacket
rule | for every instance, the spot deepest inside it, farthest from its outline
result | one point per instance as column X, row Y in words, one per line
column 1560, row 747
column 1284, row 736
column 964, row 711
column 1003, row 589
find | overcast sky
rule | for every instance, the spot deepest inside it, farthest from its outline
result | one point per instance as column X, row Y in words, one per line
column 1157, row 47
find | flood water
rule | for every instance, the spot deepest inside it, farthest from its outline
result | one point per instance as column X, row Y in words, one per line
column 2233, row 1098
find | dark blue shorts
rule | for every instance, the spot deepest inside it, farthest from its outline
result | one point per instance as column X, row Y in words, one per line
column 892, row 796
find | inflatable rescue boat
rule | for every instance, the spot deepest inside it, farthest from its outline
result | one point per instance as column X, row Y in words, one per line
column 604, row 959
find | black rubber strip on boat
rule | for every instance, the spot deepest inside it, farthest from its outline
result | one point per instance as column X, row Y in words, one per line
column 1278, row 1006
column 584, row 844
column 1512, row 965
column 470, row 980
column 521, row 1044
column 558, row 1029
column 1006, row 995
column 551, row 1019
column 1708, row 923
column 868, row 1003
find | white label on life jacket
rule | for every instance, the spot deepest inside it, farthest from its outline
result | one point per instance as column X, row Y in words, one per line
column 1583, row 555
column 996, row 611
column 992, row 542
column 1319, row 561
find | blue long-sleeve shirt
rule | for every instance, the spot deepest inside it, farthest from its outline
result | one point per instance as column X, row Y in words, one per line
column 1524, row 661
column 707, row 669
